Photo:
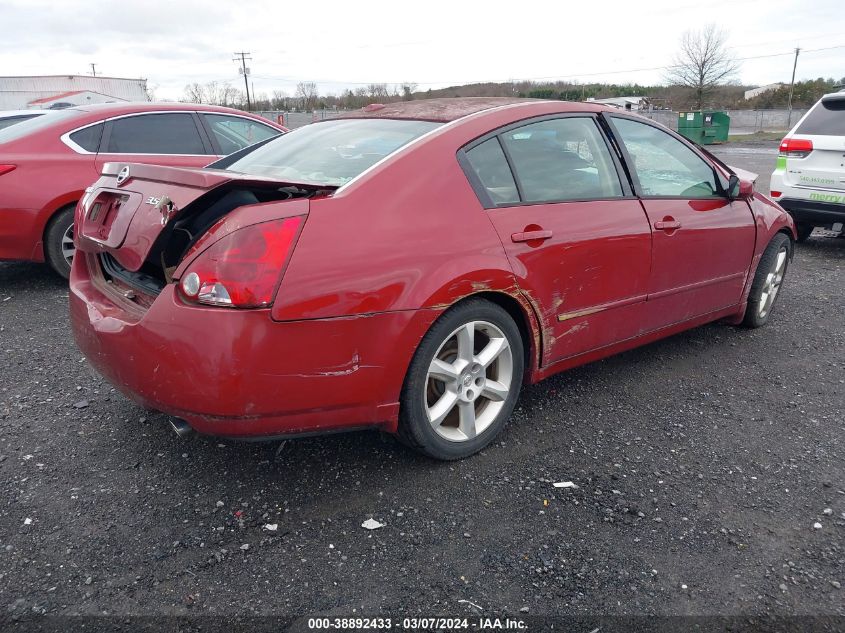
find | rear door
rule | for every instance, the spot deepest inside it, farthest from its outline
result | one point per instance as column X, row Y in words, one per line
column 703, row 242
column 822, row 170
column 577, row 239
column 162, row 138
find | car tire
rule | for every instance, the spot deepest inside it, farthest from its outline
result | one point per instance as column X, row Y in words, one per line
column 463, row 381
column 58, row 241
column 767, row 281
column 804, row 231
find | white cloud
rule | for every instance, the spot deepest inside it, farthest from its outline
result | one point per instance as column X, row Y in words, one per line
column 435, row 43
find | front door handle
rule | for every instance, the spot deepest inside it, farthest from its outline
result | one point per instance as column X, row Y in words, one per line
column 528, row 236
column 667, row 224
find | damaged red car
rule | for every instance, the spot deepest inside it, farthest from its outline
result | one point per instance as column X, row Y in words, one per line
column 408, row 267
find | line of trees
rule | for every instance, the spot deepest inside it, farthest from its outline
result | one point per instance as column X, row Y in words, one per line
column 305, row 98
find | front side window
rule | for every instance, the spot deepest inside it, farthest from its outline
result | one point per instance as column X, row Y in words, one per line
column 168, row 133
column 233, row 133
column 490, row 165
column 664, row 165
column 330, row 152
column 562, row 159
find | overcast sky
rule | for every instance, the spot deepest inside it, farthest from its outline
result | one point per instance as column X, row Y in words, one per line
column 434, row 43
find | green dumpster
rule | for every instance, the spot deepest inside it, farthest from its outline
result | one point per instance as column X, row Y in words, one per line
column 705, row 128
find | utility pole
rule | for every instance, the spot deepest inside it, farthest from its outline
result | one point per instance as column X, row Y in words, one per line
column 245, row 72
column 791, row 91
column 94, row 69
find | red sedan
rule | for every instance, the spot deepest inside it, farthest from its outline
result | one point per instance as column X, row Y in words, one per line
column 47, row 162
column 409, row 266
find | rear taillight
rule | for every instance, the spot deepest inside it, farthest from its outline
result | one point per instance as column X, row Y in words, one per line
column 796, row 147
column 242, row 269
column 776, row 194
column 5, row 169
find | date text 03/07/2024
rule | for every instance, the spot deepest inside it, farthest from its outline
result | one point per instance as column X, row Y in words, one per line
column 418, row 623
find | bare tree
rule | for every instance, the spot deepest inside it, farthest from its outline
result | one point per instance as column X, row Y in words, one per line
column 213, row 93
column 703, row 62
column 194, row 93
column 378, row 91
column 307, row 93
column 408, row 89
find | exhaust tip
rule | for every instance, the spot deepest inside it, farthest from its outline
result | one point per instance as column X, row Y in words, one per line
column 181, row 427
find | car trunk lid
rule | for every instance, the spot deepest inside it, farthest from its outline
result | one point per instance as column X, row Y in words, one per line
column 132, row 206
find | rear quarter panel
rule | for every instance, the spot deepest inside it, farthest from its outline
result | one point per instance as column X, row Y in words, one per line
column 49, row 176
column 408, row 234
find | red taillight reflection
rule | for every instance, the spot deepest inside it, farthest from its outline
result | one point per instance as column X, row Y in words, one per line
column 796, row 147
column 5, row 169
column 242, row 269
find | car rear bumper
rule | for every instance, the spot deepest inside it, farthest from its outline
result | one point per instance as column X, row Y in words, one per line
column 238, row 373
column 814, row 211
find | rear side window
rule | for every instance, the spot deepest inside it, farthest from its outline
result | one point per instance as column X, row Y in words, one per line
column 490, row 165
column 170, row 133
column 233, row 133
column 88, row 138
column 827, row 118
column 562, row 159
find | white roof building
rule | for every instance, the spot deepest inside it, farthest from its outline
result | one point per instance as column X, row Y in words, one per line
column 750, row 94
column 18, row 93
column 624, row 103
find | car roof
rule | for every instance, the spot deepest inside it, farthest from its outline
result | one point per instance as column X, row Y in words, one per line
column 834, row 96
column 451, row 109
column 106, row 109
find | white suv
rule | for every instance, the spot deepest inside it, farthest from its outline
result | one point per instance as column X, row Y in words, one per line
column 809, row 178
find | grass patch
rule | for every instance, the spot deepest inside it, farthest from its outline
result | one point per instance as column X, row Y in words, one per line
column 757, row 136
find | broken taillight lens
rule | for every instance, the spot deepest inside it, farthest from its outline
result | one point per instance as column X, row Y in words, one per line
column 242, row 269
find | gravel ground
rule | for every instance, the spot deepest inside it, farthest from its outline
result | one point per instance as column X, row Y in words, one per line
column 703, row 463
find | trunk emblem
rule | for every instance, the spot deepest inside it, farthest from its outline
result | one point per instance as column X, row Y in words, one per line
column 123, row 175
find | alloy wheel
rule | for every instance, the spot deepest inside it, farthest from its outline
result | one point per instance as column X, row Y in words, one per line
column 68, row 248
column 772, row 284
column 468, row 381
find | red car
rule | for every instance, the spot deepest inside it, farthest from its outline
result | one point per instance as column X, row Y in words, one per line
column 409, row 266
column 47, row 162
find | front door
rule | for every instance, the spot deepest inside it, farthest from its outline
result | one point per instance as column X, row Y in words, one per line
column 577, row 240
column 703, row 241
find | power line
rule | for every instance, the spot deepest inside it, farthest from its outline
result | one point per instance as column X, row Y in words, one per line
column 245, row 72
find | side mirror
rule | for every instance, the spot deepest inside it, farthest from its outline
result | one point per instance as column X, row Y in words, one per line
column 740, row 189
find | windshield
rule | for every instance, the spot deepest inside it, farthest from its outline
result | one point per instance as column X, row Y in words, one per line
column 21, row 129
column 332, row 152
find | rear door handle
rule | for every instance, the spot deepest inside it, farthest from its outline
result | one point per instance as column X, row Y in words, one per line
column 527, row 236
column 667, row 225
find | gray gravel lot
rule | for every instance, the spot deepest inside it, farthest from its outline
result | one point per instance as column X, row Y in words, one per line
column 703, row 462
